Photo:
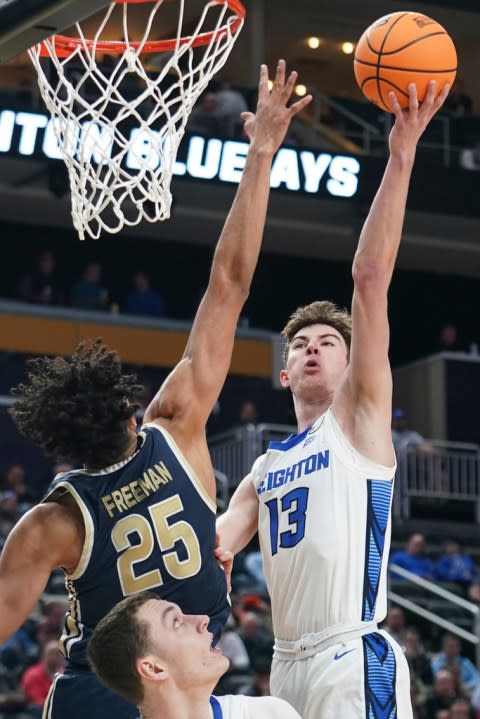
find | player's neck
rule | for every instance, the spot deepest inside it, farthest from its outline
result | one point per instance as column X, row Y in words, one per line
column 308, row 410
column 176, row 704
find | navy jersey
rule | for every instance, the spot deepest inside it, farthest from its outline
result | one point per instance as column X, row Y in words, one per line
column 149, row 524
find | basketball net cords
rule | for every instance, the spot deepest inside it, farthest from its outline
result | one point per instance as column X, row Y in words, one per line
column 105, row 194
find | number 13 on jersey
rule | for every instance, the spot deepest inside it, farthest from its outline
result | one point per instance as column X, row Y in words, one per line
column 293, row 503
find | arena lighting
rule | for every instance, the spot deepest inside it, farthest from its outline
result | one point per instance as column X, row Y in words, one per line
column 348, row 48
column 300, row 90
column 313, row 42
column 29, row 134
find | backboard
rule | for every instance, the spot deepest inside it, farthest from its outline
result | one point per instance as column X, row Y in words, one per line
column 24, row 23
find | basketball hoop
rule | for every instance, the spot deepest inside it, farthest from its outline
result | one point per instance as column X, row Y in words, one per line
column 120, row 143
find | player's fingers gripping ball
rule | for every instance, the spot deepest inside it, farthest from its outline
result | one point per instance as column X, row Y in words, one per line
column 399, row 49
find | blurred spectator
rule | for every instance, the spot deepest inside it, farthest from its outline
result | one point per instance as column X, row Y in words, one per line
column 52, row 622
column 394, row 623
column 19, row 649
column 37, row 680
column 259, row 684
column 458, row 102
column 448, row 339
column 248, row 413
column 413, row 558
column 14, row 481
column 418, row 661
column 87, row 292
column 444, row 693
column 41, row 285
column 9, row 514
column 461, row 709
column 257, row 639
column 470, row 157
column 229, row 104
column 202, row 118
column 402, row 435
column 450, row 658
column 455, row 566
column 233, row 647
column 254, row 565
column 143, row 299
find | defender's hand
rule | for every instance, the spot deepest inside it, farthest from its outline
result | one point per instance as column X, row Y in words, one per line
column 266, row 129
column 225, row 558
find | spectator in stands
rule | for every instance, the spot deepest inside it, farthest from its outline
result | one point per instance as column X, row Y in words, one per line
column 87, row 292
column 203, row 116
column 52, row 622
column 450, row 658
column 254, row 565
column 413, row 558
column 461, row 709
column 143, row 299
column 257, row 639
column 418, row 661
column 14, row 481
column 41, row 285
column 470, row 157
column 394, row 624
column 248, row 413
column 9, row 514
column 233, row 647
column 37, row 680
column 402, row 435
column 259, row 683
column 448, row 339
column 230, row 103
column 443, row 694
column 455, row 566
column 458, row 103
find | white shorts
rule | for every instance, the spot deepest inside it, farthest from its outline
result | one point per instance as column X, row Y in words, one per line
column 365, row 677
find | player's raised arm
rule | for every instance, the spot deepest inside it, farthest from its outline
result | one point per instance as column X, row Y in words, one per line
column 193, row 387
column 368, row 384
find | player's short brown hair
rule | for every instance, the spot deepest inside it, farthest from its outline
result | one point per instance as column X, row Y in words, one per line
column 318, row 313
column 118, row 640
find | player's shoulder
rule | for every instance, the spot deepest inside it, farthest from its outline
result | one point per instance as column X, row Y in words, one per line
column 51, row 522
column 270, row 708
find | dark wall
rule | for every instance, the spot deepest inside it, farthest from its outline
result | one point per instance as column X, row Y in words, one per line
column 419, row 302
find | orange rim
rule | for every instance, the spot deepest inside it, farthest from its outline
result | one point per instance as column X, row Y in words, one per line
column 65, row 46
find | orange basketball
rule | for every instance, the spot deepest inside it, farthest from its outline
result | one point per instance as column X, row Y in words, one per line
column 401, row 48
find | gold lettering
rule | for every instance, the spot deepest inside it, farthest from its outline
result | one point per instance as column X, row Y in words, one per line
column 136, row 491
column 128, row 497
column 146, row 484
column 108, row 504
column 163, row 472
column 119, row 501
column 157, row 481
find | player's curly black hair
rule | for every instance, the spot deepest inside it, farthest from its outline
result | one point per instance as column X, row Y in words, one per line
column 76, row 408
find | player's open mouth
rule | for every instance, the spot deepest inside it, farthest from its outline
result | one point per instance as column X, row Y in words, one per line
column 311, row 363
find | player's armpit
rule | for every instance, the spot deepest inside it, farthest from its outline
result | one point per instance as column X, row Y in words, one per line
column 44, row 539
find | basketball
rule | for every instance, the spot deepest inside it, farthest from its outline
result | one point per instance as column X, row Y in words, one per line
column 401, row 48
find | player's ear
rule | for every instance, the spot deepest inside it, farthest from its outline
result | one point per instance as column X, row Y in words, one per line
column 151, row 669
column 284, row 381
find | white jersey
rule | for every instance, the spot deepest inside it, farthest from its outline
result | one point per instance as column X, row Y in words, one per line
column 324, row 528
column 242, row 707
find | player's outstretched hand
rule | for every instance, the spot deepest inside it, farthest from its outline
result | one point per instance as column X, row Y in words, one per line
column 410, row 124
column 266, row 129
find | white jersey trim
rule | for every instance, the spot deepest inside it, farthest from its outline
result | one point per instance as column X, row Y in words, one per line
column 188, row 469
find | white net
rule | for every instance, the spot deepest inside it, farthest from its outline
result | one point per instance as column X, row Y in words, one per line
column 117, row 122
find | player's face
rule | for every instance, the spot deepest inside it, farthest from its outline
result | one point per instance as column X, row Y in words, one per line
column 317, row 359
column 183, row 644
